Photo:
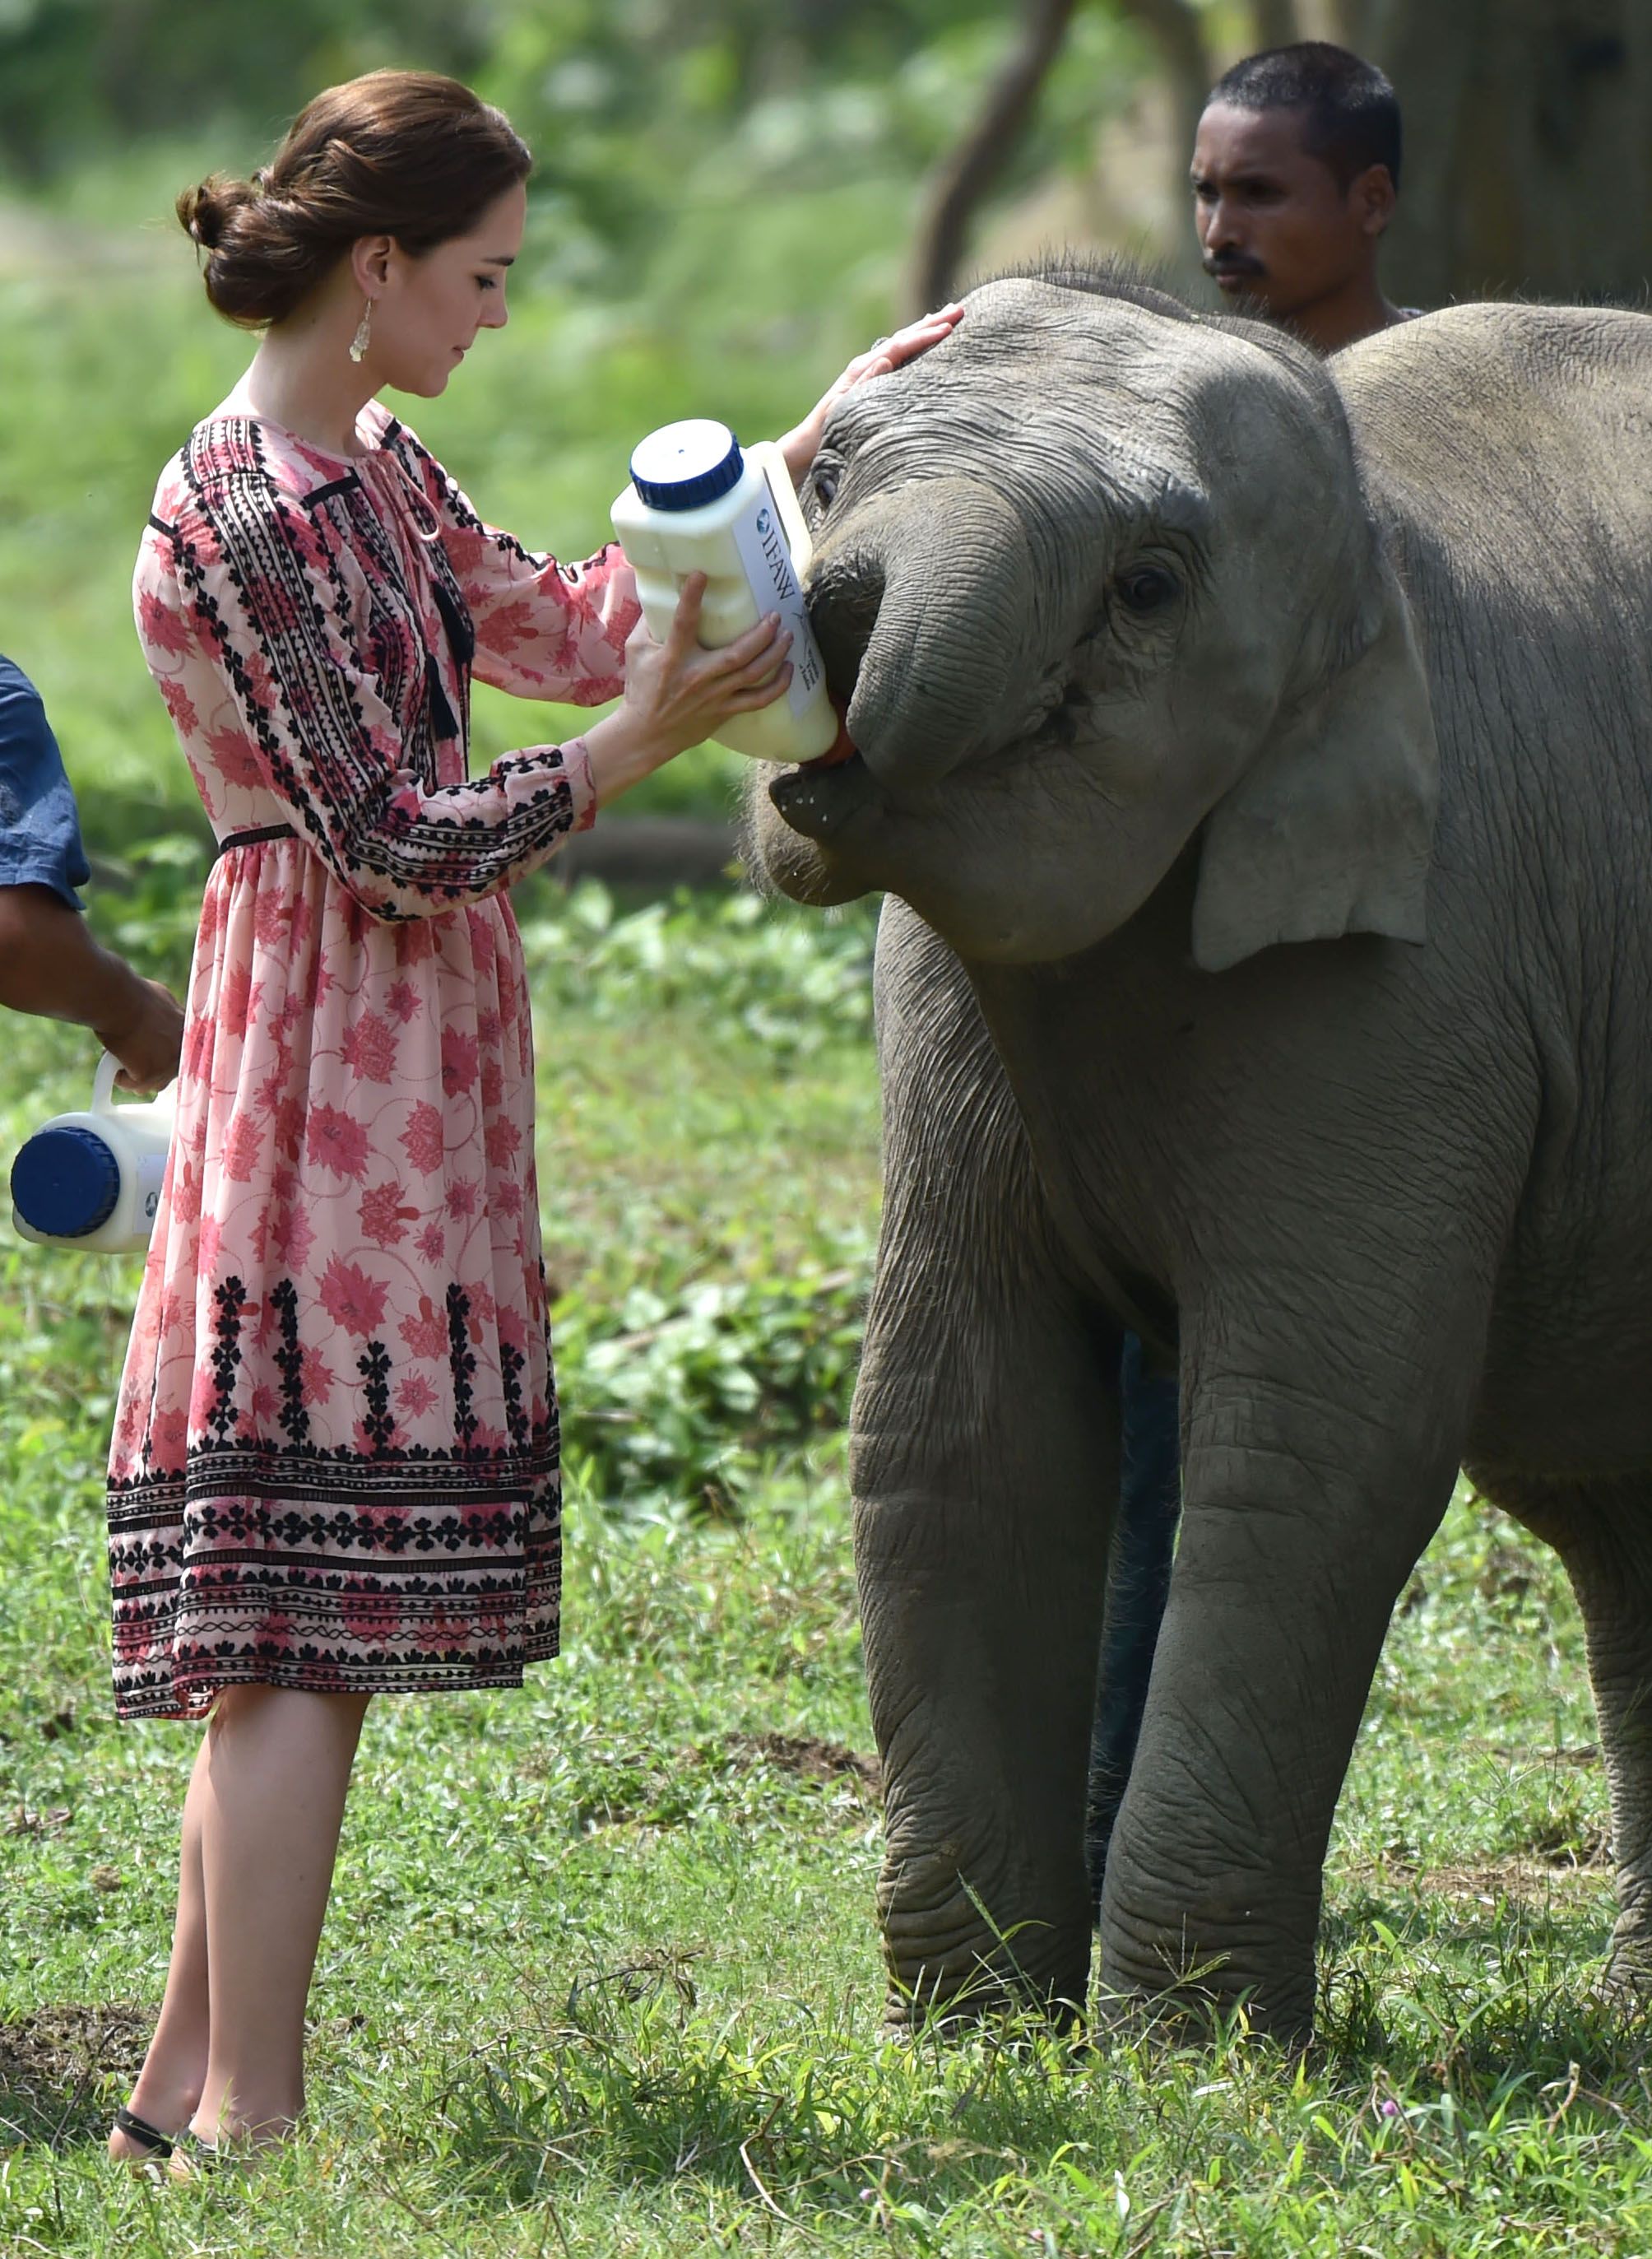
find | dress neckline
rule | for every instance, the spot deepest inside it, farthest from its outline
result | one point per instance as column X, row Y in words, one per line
column 227, row 413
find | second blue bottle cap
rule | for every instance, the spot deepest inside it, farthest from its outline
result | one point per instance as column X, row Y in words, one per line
column 65, row 1181
column 684, row 466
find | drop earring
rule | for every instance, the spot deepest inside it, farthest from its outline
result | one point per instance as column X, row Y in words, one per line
column 359, row 343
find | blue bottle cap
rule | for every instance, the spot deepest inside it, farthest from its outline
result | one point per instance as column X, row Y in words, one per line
column 65, row 1182
column 682, row 465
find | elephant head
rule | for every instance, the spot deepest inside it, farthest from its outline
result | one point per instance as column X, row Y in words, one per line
column 1095, row 576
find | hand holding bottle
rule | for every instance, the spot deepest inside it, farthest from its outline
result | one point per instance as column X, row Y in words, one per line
column 677, row 695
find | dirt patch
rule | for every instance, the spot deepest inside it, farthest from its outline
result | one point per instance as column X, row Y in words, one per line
column 1515, row 1875
column 1514, row 1878
column 1522, row 1753
column 59, row 2065
column 812, row 1759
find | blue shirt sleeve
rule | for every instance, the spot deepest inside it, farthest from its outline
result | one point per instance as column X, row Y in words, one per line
column 39, row 830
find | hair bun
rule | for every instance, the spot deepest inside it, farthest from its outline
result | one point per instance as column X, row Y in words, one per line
column 405, row 153
column 206, row 210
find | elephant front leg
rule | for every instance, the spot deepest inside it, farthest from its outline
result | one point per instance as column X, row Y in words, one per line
column 982, row 1582
column 1304, row 1512
column 985, row 1466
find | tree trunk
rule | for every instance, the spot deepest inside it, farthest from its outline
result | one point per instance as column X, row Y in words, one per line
column 1276, row 23
column 964, row 178
column 1528, row 146
column 1177, row 30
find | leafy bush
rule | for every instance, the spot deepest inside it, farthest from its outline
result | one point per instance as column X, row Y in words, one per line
column 797, row 983
column 688, row 1397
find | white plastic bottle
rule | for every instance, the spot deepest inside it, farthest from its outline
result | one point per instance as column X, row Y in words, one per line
column 93, row 1180
column 700, row 503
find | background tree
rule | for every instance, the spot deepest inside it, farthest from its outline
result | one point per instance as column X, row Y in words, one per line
column 1528, row 128
column 1528, row 134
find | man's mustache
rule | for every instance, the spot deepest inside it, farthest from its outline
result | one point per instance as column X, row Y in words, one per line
column 1231, row 265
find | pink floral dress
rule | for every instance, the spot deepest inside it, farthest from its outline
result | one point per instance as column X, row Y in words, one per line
column 335, row 1458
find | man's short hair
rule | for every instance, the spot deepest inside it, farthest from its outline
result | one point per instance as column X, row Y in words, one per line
column 1350, row 112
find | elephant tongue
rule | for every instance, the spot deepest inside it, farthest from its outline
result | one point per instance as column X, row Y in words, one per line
column 840, row 749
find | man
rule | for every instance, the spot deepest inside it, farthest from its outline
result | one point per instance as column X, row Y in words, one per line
column 49, row 962
column 1295, row 171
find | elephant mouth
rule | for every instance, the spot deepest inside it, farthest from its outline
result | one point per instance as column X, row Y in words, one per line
column 828, row 798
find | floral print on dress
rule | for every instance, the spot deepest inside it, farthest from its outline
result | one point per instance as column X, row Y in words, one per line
column 335, row 1460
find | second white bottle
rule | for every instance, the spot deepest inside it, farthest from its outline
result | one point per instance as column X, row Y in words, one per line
column 699, row 503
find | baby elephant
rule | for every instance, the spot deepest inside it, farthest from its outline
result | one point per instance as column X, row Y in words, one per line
column 1258, row 756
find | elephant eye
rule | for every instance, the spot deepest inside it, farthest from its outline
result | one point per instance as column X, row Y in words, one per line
column 1146, row 588
column 824, row 482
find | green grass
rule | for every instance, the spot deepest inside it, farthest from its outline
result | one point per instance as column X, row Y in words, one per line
column 601, row 1974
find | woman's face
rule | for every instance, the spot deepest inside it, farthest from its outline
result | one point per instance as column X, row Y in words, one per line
column 426, row 312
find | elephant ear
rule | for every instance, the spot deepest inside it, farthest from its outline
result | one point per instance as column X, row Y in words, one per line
column 1329, row 831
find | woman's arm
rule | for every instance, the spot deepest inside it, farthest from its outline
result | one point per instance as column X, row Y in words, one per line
column 305, row 712
column 801, row 443
column 543, row 629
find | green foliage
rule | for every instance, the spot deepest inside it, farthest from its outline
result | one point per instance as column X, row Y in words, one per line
column 697, row 1391
column 796, row 985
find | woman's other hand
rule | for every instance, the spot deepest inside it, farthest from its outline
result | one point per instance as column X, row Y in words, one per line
column 801, row 443
column 677, row 695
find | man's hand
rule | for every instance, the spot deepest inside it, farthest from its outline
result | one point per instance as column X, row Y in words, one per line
column 51, row 964
column 149, row 1045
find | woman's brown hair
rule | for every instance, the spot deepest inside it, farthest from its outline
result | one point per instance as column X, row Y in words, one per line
column 403, row 153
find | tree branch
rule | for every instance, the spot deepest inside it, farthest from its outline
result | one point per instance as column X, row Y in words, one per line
column 963, row 178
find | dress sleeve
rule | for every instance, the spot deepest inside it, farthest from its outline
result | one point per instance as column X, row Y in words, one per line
column 543, row 629
column 262, row 583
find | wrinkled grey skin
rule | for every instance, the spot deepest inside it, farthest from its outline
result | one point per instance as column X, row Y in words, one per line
column 1272, row 973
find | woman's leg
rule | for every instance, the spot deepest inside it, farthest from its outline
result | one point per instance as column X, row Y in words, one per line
column 169, row 2085
column 277, row 1768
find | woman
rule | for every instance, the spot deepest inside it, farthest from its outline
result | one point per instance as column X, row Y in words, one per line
column 335, row 1467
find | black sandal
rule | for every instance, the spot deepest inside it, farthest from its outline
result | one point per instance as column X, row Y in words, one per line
column 160, row 2146
column 198, row 2156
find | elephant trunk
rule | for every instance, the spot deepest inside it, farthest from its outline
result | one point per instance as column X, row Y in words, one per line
column 921, row 610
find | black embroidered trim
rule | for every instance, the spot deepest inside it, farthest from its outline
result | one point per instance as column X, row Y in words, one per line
column 463, row 1362
column 512, row 1365
column 231, row 1298
column 374, row 1368
column 289, row 1362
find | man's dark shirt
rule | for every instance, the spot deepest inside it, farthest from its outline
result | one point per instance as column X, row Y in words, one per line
column 39, row 830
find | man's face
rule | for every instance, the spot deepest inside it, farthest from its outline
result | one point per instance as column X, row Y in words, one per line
column 1273, row 223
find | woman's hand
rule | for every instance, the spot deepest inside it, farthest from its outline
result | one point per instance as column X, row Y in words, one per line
column 801, row 443
column 677, row 695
